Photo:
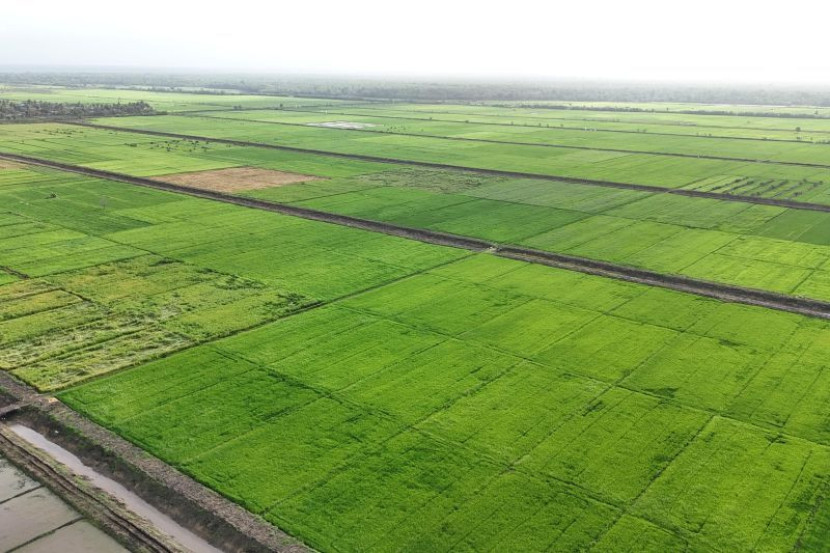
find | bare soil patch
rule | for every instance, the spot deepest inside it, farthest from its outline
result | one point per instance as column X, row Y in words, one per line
column 236, row 179
column 9, row 165
column 350, row 125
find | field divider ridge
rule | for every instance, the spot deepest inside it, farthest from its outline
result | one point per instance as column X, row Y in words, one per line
column 724, row 292
column 790, row 204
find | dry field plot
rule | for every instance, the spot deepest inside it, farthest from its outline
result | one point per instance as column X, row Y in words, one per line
column 236, row 179
column 9, row 165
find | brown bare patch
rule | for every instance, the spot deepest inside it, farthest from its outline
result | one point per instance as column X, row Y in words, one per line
column 236, row 179
column 9, row 165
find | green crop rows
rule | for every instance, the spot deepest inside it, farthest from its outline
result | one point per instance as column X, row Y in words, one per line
column 762, row 179
column 490, row 403
column 115, row 275
column 772, row 248
column 662, row 122
column 656, row 141
column 371, row 393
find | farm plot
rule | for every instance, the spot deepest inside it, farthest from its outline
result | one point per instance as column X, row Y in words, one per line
column 152, row 156
column 630, row 168
column 790, row 151
column 365, row 392
column 739, row 243
column 809, row 129
column 113, row 275
column 491, row 404
column 729, row 242
column 236, row 179
column 730, row 114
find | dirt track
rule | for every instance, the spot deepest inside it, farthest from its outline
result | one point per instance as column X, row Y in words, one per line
column 725, row 292
column 493, row 172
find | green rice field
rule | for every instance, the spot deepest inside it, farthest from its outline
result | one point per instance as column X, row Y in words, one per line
column 623, row 138
column 757, row 246
column 369, row 393
column 793, row 182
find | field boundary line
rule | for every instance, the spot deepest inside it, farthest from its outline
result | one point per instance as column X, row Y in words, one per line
column 630, row 507
column 489, row 172
column 723, row 292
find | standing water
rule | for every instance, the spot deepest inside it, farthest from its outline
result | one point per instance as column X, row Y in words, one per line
column 181, row 535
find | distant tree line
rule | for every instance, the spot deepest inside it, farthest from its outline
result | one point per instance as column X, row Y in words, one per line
column 32, row 109
column 434, row 90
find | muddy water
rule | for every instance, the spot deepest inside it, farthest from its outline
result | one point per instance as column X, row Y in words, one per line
column 162, row 522
column 34, row 520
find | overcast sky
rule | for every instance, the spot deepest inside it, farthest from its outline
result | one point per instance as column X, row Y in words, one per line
column 724, row 40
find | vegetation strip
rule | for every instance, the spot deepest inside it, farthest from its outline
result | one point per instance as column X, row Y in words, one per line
column 207, row 113
column 542, row 144
column 384, row 108
column 359, row 105
column 619, row 109
column 738, row 294
column 491, row 172
column 189, row 503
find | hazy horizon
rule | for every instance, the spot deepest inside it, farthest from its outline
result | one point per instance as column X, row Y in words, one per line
column 643, row 41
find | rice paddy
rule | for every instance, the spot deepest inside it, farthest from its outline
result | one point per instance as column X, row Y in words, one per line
column 365, row 392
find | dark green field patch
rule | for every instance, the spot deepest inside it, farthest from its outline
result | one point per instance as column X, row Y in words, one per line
column 757, row 492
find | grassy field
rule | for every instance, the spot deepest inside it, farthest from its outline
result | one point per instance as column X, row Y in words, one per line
column 370, row 393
